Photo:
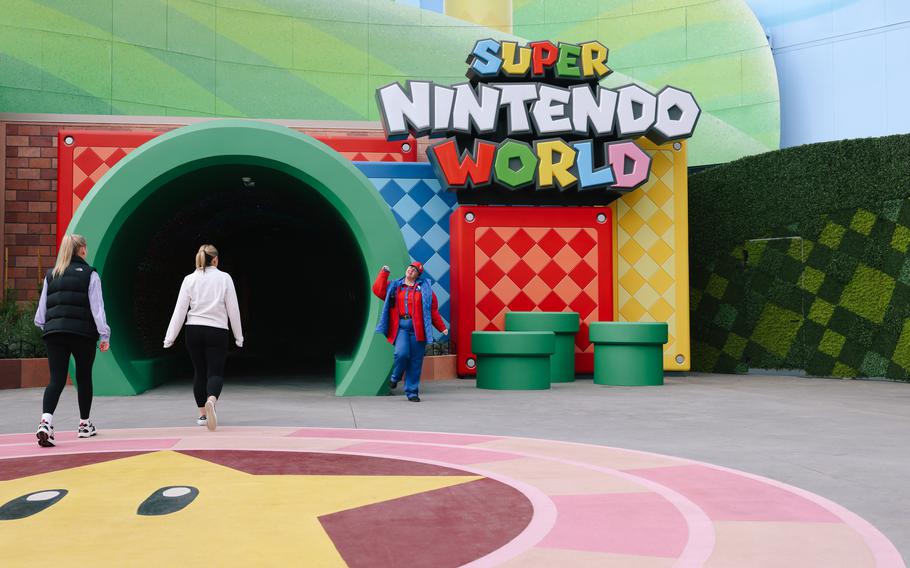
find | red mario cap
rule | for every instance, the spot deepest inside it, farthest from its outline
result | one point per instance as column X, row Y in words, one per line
column 418, row 266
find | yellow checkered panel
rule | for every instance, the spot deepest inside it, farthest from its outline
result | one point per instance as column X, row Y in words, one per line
column 651, row 255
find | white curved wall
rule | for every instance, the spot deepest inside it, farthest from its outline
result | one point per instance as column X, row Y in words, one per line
column 843, row 67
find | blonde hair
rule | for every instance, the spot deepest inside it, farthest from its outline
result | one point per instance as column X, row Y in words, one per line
column 69, row 246
column 205, row 255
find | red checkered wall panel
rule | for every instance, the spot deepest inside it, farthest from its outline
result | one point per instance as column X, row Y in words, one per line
column 550, row 259
column 82, row 158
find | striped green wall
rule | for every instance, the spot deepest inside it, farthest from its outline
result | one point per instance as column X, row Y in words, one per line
column 323, row 59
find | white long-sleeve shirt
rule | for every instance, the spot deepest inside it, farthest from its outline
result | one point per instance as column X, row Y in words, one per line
column 210, row 297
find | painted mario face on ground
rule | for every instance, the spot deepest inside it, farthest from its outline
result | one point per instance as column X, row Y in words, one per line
column 249, row 508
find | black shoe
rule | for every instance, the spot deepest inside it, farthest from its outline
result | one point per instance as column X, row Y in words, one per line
column 392, row 385
column 414, row 398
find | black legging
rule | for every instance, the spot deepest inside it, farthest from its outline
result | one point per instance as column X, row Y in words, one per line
column 59, row 348
column 208, row 348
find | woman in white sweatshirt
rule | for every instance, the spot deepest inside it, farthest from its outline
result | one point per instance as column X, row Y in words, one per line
column 210, row 297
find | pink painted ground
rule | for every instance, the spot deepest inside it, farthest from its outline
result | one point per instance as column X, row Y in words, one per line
column 621, row 523
column 726, row 496
column 589, row 507
column 92, row 445
column 394, row 436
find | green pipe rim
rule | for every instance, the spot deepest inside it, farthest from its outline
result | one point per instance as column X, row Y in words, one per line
column 513, row 343
column 557, row 322
column 628, row 332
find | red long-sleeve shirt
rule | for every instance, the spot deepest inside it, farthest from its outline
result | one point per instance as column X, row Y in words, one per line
column 414, row 305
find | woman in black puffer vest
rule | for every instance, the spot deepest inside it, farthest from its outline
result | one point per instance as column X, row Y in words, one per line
column 71, row 314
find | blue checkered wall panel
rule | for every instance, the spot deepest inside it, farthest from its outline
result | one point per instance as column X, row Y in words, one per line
column 422, row 209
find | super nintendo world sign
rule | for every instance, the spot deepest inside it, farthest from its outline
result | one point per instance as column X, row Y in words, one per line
column 563, row 130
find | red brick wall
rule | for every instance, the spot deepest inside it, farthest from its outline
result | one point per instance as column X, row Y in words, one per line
column 28, row 211
column 30, row 201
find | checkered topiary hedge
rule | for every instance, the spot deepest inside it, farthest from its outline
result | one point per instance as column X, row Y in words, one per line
column 801, row 260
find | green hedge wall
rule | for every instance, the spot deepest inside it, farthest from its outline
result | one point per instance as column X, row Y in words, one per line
column 19, row 338
column 799, row 260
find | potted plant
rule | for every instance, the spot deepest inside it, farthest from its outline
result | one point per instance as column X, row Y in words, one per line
column 23, row 358
column 439, row 361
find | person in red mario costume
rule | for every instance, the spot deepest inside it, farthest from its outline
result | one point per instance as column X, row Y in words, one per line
column 409, row 310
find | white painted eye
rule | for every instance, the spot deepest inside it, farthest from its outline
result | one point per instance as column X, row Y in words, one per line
column 28, row 505
column 167, row 500
column 42, row 496
column 176, row 492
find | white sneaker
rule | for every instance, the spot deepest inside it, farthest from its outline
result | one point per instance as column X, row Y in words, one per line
column 211, row 419
column 201, row 420
column 86, row 429
column 45, row 435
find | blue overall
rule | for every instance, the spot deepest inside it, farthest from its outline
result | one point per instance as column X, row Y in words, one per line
column 408, row 357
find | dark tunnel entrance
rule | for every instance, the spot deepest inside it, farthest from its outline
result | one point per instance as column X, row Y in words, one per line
column 296, row 267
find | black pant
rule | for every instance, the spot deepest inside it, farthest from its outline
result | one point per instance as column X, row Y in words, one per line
column 59, row 348
column 208, row 348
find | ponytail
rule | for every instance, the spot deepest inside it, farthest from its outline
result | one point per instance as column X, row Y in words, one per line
column 69, row 246
column 204, row 256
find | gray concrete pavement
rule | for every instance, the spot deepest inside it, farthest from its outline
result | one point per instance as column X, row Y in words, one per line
column 848, row 441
